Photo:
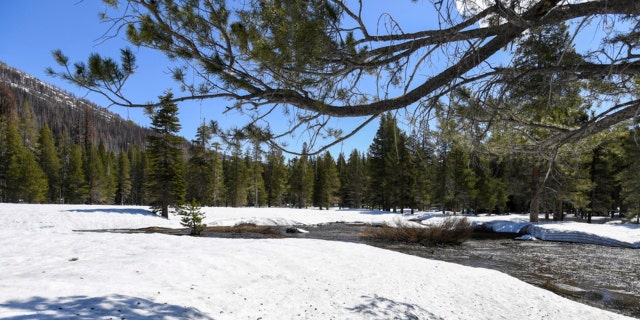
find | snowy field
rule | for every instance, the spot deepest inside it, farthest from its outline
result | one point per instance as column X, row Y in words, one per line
column 48, row 271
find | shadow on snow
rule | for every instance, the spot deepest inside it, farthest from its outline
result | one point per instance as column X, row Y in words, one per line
column 132, row 211
column 83, row 307
column 381, row 308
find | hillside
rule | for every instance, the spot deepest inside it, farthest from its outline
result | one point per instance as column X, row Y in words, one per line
column 78, row 119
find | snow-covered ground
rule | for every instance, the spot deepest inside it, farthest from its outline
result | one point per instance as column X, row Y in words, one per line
column 48, row 271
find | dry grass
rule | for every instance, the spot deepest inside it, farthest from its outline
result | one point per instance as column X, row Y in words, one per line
column 242, row 228
column 449, row 231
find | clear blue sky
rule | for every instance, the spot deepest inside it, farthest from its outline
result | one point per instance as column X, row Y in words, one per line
column 31, row 29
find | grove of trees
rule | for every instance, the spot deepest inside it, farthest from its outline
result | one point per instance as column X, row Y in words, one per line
column 501, row 78
column 399, row 171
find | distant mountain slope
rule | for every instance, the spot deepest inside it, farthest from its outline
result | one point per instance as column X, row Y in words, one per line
column 78, row 119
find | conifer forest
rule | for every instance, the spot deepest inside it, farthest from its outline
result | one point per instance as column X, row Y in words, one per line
column 86, row 161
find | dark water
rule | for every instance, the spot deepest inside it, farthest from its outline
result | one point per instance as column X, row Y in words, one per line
column 604, row 277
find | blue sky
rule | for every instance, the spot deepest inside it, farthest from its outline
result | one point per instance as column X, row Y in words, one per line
column 31, row 29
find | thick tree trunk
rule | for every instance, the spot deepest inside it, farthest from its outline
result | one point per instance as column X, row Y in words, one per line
column 534, row 208
column 165, row 210
column 558, row 215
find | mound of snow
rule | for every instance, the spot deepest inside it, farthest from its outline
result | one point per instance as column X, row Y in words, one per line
column 615, row 235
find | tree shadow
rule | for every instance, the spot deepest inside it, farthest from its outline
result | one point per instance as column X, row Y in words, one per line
column 117, row 210
column 82, row 307
column 381, row 308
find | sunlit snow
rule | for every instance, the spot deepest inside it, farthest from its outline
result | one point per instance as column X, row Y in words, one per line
column 49, row 271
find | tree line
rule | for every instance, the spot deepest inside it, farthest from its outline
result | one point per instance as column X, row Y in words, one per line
column 420, row 170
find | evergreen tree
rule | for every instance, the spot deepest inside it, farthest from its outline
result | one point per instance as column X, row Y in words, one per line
column 458, row 180
column 27, row 127
column 63, row 146
column 139, row 172
column 630, row 179
column 123, row 179
column 343, row 177
column 545, row 102
column 356, row 184
column 4, row 160
column 217, row 176
column 489, row 194
column 8, row 113
column 110, row 176
column 423, row 155
column 50, row 163
column 75, row 185
column 236, row 179
column 275, row 178
column 24, row 178
column 392, row 179
column 191, row 217
column 94, row 174
column 256, row 192
column 327, row 182
column 601, row 197
column 166, row 182
column 301, row 176
column 200, row 170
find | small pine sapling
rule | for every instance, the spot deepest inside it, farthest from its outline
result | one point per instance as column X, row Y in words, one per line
column 192, row 217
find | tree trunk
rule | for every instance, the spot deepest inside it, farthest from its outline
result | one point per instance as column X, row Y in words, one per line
column 534, row 207
column 558, row 214
column 165, row 210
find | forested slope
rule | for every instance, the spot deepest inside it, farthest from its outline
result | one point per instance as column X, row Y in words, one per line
column 78, row 119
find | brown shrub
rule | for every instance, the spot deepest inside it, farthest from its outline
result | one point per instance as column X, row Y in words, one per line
column 245, row 228
column 450, row 231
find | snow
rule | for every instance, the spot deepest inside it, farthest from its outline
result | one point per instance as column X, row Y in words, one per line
column 48, row 271
column 606, row 234
column 615, row 235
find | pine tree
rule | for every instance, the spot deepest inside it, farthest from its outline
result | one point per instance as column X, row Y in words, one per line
column 256, row 193
column 50, row 164
column 423, row 155
column 25, row 181
column 392, row 178
column 630, row 179
column 123, row 179
column 546, row 100
column 343, row 177
column 489, row 191
column 63, row 146
column 27, row 128
column 94, row 174
column 275, row 178
column 75, row 186
column 166, row 182
column 217, row 176
column 139, row 172
column 301, row 176
column 110, row 174
column 200, row 170
column 236, row 179
column 4, row 160
column 356, row 184
column 327, row 182
column 191, row 217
